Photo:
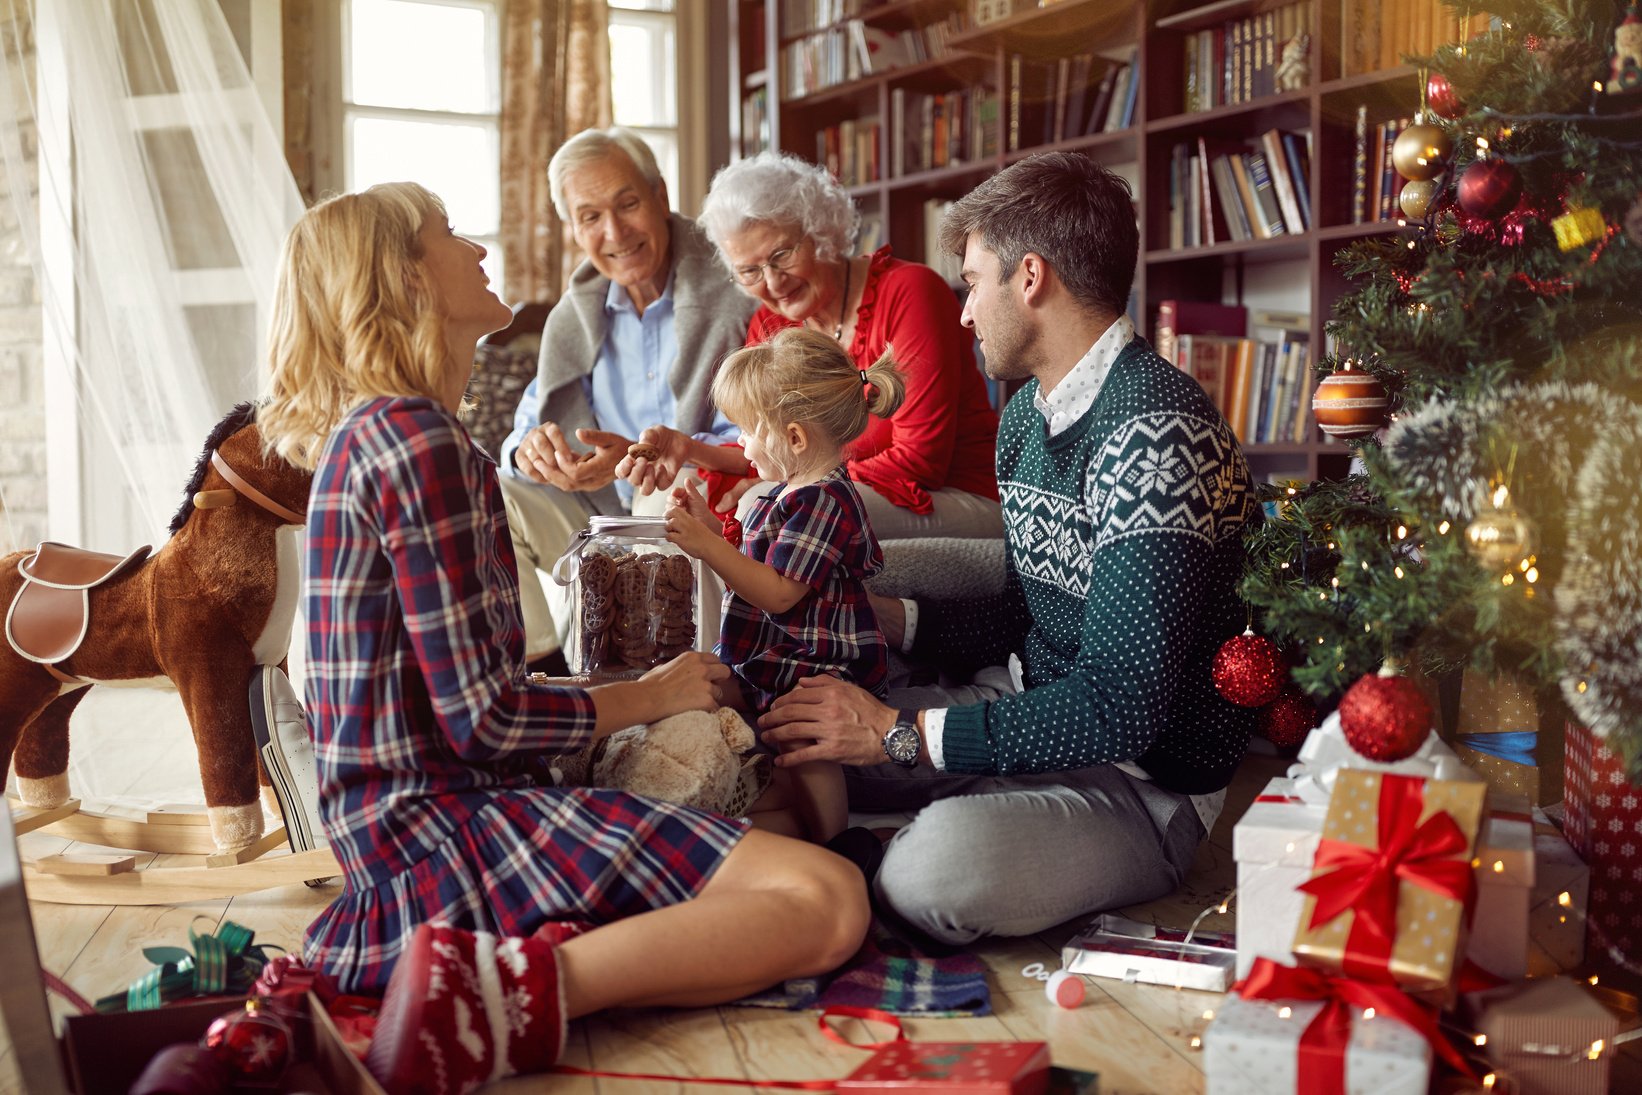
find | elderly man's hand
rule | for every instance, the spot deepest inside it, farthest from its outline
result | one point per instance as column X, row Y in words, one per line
column 650, row 474
column 823, row 718
column 545, row 456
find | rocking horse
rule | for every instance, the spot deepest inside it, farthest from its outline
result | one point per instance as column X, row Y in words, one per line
column 210, row 613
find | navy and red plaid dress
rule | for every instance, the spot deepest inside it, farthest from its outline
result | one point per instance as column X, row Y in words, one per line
column 426, row 728
column 817, row 534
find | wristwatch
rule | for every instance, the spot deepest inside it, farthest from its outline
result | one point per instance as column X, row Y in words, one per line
column 902, row 741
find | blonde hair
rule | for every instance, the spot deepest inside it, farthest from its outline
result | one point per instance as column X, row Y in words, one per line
column 353, row 317
column 803, row 376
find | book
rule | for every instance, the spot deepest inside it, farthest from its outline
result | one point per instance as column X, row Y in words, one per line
column 1271, row 141
column 1229, row 199
column 1298, row 156
column 1266, row 206
column 1214, row 220
column 1103, row 100
column 1077, row 95
column 1120, row 95
column 1131, row 91
column 1194, row 317
column 1063, row 80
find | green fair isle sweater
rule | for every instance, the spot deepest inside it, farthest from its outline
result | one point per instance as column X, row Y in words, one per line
column 1125, row 547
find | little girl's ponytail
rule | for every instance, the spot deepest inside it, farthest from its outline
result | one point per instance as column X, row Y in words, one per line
column 885, row 386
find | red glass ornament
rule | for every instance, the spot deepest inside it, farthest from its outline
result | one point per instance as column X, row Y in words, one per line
column 1489, row 188
column 1287, row 720
column 1385, row 717
column 1440, row 98
column 253, row 1044
column 1249, row 670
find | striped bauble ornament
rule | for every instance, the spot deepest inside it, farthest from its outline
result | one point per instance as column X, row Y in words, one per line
column 1350, row 403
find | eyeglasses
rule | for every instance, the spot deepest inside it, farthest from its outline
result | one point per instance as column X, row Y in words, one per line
column 780, row 261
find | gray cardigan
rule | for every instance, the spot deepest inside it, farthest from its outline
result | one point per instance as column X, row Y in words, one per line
column 710, row 317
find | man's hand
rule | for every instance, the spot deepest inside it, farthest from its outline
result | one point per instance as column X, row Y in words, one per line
column 823, row 718
column 545, row 456
column 892, row 618
column 647, row 475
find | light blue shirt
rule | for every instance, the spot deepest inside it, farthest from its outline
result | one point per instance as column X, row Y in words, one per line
column 628, row 388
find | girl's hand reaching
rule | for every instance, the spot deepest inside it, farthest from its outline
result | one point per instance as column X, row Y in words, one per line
column 691, row 500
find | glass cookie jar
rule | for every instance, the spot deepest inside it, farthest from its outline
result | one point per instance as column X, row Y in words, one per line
column 634, row 598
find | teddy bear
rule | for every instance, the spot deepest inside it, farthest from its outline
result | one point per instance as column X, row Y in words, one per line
column 693, row 758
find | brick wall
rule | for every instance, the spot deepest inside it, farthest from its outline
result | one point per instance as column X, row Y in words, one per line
column 22, row 397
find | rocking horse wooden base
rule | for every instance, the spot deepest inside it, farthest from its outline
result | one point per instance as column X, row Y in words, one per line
column 102, row 879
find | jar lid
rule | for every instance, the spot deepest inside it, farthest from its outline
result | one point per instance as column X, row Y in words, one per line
column 627, row 525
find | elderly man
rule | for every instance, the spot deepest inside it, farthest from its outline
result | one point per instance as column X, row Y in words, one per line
column 1091, row 782
column 631, row 344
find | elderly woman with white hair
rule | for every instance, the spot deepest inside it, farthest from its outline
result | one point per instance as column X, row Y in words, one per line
column 786, row 230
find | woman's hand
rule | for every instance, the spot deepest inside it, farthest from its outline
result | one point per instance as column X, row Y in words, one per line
column 693, row 681
column 648, row 475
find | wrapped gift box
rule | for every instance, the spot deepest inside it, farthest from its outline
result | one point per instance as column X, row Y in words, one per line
column 954, row 1068
column 1252, row 1048
column 1501, row 733
column 1557, row 906
column 1114, row 946
column 1546, row 1037
column 1275, row 843
column 1604, row 825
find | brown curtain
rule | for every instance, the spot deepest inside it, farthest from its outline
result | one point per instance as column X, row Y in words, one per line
column 555, row 83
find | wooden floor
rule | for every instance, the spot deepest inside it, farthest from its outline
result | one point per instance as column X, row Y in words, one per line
column 1137, row 1037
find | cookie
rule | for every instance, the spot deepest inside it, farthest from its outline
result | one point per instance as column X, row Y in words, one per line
column 632, row 587
column 597, row 572
column 643, row 450
column 676, row 572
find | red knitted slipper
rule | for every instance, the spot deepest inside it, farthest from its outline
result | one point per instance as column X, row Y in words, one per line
column 464, row 1008
column 562, row 931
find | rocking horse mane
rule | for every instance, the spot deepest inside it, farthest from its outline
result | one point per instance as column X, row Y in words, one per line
column 237, row 419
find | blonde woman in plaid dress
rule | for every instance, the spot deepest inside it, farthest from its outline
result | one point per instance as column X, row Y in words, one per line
column 426, row 727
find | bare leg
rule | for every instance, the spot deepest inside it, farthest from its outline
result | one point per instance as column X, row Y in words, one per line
column 821, row 799
column 775, row 909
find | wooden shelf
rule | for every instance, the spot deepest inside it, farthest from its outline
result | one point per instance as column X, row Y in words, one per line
column 1324, row 109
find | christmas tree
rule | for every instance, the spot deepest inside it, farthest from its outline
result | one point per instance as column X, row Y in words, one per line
column 1497, row 519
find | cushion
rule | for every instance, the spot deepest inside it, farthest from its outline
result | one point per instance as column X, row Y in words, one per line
column 500, row 376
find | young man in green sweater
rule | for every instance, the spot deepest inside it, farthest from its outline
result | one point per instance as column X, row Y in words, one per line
column 1089, row 783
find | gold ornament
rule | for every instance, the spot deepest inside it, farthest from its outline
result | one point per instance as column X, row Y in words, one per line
column 1579, row 226
column 1500, row 537
column 1417, row 197
column 1421, row 151
column 1350, row 403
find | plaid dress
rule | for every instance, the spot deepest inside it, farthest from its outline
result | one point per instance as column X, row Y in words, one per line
column 816, row 534
column 426, row 730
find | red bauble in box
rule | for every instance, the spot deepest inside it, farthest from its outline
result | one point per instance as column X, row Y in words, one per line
column 252, row 1044
column 1350, row 403
column 1489, row 188
column 953, row 1068
column 1604, row 825
column 1385, row 717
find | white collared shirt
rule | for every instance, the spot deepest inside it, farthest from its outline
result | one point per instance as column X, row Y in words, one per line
column 1077, row 391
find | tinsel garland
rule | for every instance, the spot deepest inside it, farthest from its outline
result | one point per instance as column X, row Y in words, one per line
column 1599, row 599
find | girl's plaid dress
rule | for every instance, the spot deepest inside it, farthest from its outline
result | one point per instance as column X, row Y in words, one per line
column 817, row 534
column 426, row 730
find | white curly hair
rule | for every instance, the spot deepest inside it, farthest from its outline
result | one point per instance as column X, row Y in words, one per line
column 779, row 188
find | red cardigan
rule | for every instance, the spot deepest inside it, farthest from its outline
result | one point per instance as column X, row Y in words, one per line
column 945, row 434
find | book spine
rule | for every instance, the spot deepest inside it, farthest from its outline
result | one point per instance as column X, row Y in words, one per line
column 1359, row 168
column 1294, row 151
column 1265, row 195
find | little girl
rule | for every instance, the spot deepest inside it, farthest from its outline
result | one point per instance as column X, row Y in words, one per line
column 795, row 603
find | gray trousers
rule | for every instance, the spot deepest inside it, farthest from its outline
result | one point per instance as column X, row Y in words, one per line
column 989, row 855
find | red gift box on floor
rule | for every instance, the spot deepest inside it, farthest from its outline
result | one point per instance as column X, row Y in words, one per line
column 1604, row 824
column 954, row 1068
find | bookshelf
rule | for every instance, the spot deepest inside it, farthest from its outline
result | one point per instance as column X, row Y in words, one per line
column 1004, row 79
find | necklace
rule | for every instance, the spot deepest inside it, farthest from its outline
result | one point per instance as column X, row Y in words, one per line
column 844, row 305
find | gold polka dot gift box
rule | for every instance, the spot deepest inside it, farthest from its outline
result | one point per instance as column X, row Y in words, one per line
column 1392, row 879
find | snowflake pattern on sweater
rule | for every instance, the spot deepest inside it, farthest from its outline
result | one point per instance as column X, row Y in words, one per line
column 1125, row 540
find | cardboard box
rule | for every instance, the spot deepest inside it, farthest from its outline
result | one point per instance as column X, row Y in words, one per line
column 1252, row 1048
column 953, row 1068
column 106, row 1053
column 1276, row 840
column 1546, row 1037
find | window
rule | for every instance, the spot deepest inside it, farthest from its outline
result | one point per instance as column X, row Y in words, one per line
column 421, row 102
column 644, row 87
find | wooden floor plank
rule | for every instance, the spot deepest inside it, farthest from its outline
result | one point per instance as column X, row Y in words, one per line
column 788, row 1045
column 1100, row 1036
column 665, row 1042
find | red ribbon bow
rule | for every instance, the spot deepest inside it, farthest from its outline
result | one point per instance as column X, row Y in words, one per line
column 1368, row 880
column 1322, row 1061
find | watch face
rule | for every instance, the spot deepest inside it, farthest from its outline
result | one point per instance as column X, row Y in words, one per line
column 901, row 744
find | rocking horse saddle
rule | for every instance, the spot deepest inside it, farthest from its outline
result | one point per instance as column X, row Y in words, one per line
column 47, row 619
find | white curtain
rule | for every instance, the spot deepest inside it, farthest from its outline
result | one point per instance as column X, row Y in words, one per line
column 151, row 197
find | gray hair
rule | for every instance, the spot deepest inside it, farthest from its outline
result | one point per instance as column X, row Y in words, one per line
column 596, row 144
column 1076, row 214
column 779, row 188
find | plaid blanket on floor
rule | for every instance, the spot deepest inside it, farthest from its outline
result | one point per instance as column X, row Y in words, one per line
column 892, row 975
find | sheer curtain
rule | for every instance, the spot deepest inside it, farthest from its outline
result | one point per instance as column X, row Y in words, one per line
column 555, row 83
column 149, row 194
